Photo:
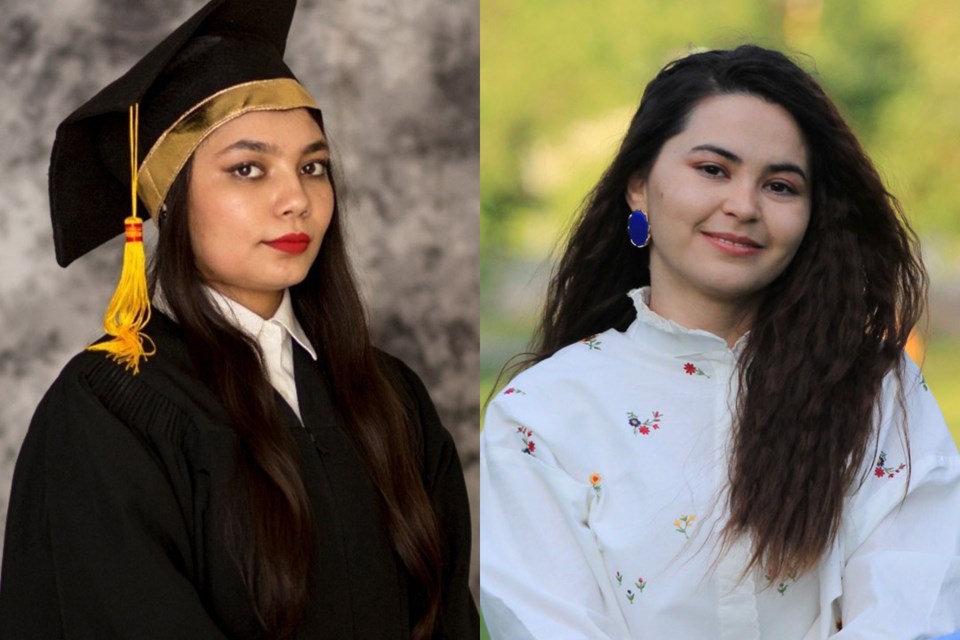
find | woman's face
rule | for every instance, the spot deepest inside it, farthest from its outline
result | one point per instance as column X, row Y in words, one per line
column 728, row 200
column 260, row 201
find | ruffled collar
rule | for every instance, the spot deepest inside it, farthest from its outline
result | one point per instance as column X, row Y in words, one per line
column 671, row 337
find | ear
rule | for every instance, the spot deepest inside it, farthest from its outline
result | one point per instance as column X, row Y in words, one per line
column 636, row 193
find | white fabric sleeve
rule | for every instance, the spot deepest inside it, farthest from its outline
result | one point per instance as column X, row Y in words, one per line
column 541, row 571
column 902, row 574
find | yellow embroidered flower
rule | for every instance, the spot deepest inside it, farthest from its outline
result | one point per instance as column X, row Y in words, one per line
column 681, row 524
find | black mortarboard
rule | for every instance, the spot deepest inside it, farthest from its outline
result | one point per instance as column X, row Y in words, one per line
column 224, row 61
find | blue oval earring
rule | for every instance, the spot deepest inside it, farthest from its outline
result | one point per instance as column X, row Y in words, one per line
column 638, row 228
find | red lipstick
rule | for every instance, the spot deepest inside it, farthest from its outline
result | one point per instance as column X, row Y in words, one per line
column 290, row 243
column 733, row 244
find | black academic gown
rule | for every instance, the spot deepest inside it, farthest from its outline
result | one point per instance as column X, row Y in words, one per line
column 115, row 524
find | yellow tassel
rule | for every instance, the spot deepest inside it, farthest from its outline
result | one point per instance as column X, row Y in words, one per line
column 129, row 308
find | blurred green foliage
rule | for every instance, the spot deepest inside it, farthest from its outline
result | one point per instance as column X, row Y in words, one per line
column 548, row 66
column 560, row 80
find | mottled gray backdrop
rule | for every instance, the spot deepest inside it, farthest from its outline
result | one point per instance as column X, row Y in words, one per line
column 399, row 86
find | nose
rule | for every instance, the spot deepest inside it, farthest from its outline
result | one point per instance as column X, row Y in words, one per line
column 742, row 201
column 292, row 197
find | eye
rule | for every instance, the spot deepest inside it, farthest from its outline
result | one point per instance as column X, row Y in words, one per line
column 712, row 170
column 247, row 170
column 317, row 168
column 784, row 188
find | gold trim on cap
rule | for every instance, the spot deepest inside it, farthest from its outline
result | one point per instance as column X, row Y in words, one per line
column 171, row 151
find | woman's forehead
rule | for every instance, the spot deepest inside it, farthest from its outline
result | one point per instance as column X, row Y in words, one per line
column 747, row 126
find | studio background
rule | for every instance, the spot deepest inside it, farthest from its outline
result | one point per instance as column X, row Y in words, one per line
column 399, row 87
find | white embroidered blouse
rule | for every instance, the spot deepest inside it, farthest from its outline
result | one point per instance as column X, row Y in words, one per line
column 602, row 477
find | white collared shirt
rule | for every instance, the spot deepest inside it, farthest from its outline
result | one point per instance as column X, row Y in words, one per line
column 603, row 475
column 273, row 335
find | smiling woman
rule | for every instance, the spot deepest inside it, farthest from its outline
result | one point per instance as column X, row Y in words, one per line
column 244, row 464
column 730, row 204
column 773, row 466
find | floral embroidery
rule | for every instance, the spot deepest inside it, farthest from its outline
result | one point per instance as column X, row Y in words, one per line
column 514, row 390
column 645, row 426
column 595, row 481
column 691, row 369
column 529, row 446
column 923, row 383
column 592, row 342
column 630, row 593
column 783, row 586
column 882, row 469
column 683, row 522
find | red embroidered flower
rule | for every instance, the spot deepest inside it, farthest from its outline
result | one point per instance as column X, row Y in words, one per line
column 693, row 370
column 643, row 426
column 882, row 469
column 509, row 391
column 526, row 435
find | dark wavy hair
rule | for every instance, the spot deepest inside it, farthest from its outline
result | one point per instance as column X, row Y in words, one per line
column 827, row 331
column 269, row 529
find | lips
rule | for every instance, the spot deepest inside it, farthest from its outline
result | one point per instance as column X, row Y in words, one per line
column 733, row 244
column 290, row 243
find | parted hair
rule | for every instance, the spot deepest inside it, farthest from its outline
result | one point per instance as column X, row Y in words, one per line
column 827, row 330
column 269, row 530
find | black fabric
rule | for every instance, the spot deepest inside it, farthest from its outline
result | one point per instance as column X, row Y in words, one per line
column 116, row 516
column 226, row 43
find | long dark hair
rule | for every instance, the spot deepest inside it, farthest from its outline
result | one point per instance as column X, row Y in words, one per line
column 269, row 528
column 827, row 330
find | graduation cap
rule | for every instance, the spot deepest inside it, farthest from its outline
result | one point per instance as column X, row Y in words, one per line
column 226, row 60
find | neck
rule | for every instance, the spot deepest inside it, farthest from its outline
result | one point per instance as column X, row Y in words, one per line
column 727, row 319
column 262, row 303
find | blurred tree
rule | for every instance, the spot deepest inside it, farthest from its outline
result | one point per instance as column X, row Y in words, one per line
column 548, row 66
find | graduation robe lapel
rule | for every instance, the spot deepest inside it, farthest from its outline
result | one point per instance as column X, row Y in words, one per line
column 352, row 531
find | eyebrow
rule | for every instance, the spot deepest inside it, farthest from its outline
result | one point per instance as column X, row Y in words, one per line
column 732, row 157
column 265, row 147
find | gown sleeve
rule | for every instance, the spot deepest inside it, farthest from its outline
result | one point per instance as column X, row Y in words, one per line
column 540, row 565
column 901, row 577
column 97, row 541
column 446, row 488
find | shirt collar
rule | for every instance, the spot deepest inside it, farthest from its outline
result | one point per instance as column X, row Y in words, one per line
column 245, row 319
column 671, row 337
column 287, row 319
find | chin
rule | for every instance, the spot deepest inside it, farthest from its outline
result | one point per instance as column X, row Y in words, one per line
column 735, row 291
column 291, row 277
column 737, row 284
